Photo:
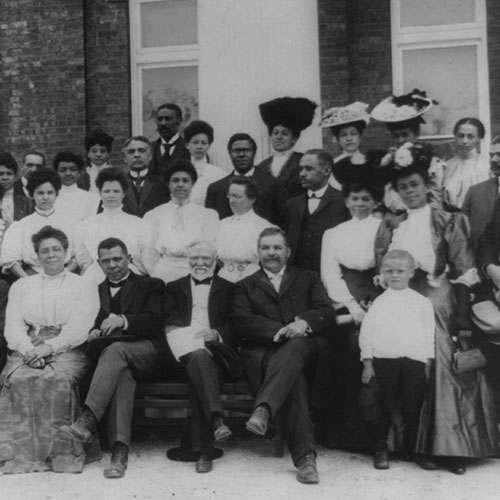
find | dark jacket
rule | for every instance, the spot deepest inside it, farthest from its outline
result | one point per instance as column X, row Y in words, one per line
column 154, row 192
column 23, row 206
column 270, row 203
column 289, row 175
column 158, row 166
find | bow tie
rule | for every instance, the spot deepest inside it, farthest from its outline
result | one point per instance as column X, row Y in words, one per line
column 116, row 284
column 315, row 196
column 205, row 281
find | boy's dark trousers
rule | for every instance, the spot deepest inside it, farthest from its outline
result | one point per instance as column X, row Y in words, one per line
column 402, row 385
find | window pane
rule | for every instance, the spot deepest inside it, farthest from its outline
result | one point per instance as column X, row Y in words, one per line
column 170, row 22
column 449, row 75
column 434, row 12
column 159, row 85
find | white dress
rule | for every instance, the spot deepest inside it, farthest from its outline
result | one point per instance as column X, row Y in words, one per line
column 17, row 245
column 352, row 245
column 207, row 174
column 135, row 232
column 174, row 228
column 460, row 174
column 237, row 244
column 76, row 203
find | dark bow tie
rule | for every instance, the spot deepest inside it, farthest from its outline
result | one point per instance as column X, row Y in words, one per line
column 312, row 196
column 205, row 281
column 116, row 284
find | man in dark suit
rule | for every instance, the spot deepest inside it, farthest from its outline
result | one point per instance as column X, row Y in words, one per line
column 272, row 196
column 310, row 214
column 480, row 200
column 31, row 161
column 170, row 146
column 146, row 190
column 131, row 307
column 280, row 312
column 201, row 301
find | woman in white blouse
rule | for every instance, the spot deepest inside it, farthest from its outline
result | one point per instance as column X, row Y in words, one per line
column 468, row 166
column 18, row 256
column 176, row 224
column 48, row 318
column 237, row 236
column 199, row 136
column 135, row 232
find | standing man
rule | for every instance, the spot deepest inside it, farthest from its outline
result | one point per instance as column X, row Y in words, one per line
column 311, row 213
column 170, row 146
column 131, row 306
column 272, row 196
column 281, row 312
column 31, row 161
column 480, row 200
column 146, row 190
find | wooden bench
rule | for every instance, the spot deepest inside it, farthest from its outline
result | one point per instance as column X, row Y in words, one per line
column 175, row 395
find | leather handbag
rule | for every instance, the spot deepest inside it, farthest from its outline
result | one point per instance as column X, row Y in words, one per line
column 467, row 358
column 227, row 358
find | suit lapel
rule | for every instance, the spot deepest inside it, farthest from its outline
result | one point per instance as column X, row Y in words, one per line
column 187, row 303
column 146, row 191
column 287, row 281
column 130, row 288
column 263, row 282
column 104, row 297
column 215, row 290
column 131, row 199
column 325, row 199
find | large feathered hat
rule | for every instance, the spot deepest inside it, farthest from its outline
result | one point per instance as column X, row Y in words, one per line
column 295, row 113
column 98, row 136
column 352, row 113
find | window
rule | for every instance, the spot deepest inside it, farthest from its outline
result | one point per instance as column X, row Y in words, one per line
column 164, row 54
column 441, row 47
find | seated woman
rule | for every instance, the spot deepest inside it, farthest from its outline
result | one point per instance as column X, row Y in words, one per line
column 286, row 118
column 347, row 125
column 48, row 318
column 237, row 236
column 13, row 206
column 135, row 232
column 18, row 257
column 461, row 420
column 178, row 223
column 73, row 201
column 199, row 136
column 468, row 167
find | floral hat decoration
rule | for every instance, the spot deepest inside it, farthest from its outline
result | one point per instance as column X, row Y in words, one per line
column 410, row 158
column 401, row 108
column 355, row 112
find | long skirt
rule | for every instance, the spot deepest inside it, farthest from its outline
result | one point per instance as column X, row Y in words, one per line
column 34, row 404
column 459, row 417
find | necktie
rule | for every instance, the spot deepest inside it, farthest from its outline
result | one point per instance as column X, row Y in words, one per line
column 205, row 281
column 166, row 150
column 116, row 284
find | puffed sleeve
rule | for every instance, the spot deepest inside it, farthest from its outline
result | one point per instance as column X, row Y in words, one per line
column 149, row 253
column 81, row 319
column 16, row 329
column 83, row 257
column 211, row 225
column 145, row 246
column 12, row 245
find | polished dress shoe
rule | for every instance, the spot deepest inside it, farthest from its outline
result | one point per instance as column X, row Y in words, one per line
column 84, row 427
column 307, row 472
column 425, row 462
column 381, row 457
column 222, row 433
column 118, row 463
column 258, row 421
column 204, row 464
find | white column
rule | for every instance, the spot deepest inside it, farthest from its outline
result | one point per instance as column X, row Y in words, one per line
column 251, row 51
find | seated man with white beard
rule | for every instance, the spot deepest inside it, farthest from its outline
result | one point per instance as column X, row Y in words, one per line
column 198, row 311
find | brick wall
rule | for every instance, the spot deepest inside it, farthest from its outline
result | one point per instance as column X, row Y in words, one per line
column 493, row 13
column 108, row 69
column 355, row 59
column 42, row 87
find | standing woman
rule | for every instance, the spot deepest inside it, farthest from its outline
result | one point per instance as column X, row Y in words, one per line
column 237, row 236
column 463, row 420
column 468, row 166
column 286, row 118
column 18, row 256
column 176, row 224
column 347, row 125
column 199, row 136
column 48, row 318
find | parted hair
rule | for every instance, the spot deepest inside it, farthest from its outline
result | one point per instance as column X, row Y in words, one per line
column 40, row 176
column 49, row 232
column 112, row 174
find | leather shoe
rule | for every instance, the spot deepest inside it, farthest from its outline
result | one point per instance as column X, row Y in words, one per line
column 222, row 433
column 307, row 472
column 118, row 463
column 83, row 429
column 425, row 462
column 381, row 457
column 204, row 464
column 258, row 421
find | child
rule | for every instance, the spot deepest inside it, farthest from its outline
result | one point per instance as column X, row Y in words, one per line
column 98, row 147
column 397, row 348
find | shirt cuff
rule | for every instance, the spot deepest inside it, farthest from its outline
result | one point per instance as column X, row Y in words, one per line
column 125, row 322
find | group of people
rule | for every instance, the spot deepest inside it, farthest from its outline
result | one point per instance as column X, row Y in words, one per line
column 341, row 286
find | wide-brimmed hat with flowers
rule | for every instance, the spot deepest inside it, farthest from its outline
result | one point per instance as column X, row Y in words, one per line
column 352, row 113
column 402, row 108
column 410, row 158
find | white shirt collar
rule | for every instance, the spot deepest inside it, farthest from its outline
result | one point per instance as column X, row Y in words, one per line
column 172, row 139
column 319, row 193
column 271, row 275
column 135, row 174
column 245, row 216
column 247, row 174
